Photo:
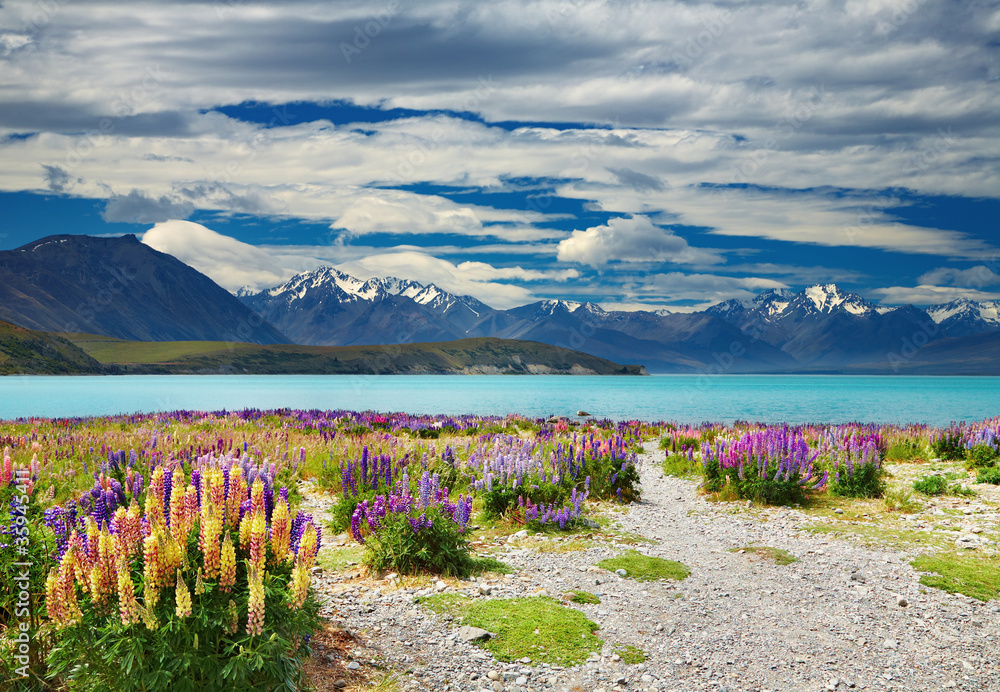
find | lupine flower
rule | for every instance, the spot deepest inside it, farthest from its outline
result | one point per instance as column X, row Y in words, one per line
column 155, row 497
column 255, row 604
column 177, row 505
column 183, row 598
column 227, row 569
column 281, row 526
column 299, row 585
column 128, row 607
column 151, row 561
column 234, row 617
column 258, row 540
column 199, row 583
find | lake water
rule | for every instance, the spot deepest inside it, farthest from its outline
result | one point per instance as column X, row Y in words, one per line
column 679, row 398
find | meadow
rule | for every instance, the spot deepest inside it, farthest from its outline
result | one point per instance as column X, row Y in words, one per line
column 171, row 550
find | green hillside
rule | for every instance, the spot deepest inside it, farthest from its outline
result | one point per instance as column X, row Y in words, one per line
column 467, row 356
column 27, row 352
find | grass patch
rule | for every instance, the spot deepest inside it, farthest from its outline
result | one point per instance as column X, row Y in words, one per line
column 900, row 500
column 871, row 534
column 340, row 559
column 580, row 596
column 682, row 467
column 483, row 564
column 977, row 578
column 538, row 628
column 631, row 654
column 777, row 555
column 645, row 568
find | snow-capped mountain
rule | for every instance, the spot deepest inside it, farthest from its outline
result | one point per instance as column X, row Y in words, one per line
column 963, row 317
column 328, row 307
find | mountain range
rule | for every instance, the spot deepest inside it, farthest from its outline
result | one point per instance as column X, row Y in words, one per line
column 121, row 288
column 821, row 328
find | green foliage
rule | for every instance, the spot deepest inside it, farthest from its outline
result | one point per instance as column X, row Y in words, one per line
column 681, row 466
column 931, row 485
column 483, row 564
column 983, row 456
column 538, row 628
column 645, row 568
column 580, row 596
column 949, row 446
column 905, row 450
column 989, row 475
column 631, row 655
column 977, row 578
column 195, row 653
column 440, row 548
column 866, row 480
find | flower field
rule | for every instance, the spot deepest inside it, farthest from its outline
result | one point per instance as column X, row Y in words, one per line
column 168, row 551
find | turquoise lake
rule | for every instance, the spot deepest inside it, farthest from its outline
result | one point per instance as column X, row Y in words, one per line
column 679, row 398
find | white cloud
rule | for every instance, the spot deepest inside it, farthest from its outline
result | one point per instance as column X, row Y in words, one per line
column 928, row 295
column 972, row 278
column 227, row 261
column 633, row 239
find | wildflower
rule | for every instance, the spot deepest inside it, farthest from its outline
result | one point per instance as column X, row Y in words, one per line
column 255, row 605
column 234, row 617
column 281, row 526
column 199, row 584
column 227, row 569
column 128, row 607
column 177, row 506
column 155, row 508
column 299, row 585
column 257, row 497
column 183, row 598
column 309, row 545
column 258, row 540
column 151, row 561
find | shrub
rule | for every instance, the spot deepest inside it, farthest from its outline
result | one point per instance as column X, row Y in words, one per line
column 681, row 465
column 858, row 470
column 948, row 445
column 772, row 465
column 931, row 485
column 989, row 475
column 983, row 456
column 899, row 500
column 208, row 588
column 409, row 533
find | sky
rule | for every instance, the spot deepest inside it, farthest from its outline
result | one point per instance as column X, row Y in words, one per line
column 640, row 155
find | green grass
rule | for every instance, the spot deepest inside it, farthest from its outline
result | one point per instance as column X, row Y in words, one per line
column 340, row 559
column 777, row 555
column 631, row 654
column 680, row 466
column 483, row 564
column 538, row 628
column 900, row 500
column 580, row 596
column 977, row 578
column 645, row 568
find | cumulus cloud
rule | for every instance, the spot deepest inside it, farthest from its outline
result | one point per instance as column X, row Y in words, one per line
column 230, row 263
column 972, row 278
column 632, row 239
column 928, row 295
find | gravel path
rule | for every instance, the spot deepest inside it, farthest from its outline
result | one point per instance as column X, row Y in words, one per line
column 739, row 623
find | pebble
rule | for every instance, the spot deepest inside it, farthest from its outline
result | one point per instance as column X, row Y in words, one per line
column 784, row 627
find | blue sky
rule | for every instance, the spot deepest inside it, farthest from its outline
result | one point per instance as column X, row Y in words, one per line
column 639, row 155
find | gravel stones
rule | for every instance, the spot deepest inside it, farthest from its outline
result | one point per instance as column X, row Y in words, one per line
column 785, row 628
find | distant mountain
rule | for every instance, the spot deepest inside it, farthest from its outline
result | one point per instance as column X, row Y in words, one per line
column 964, row 317
column 27, row 352
column 466, row 356
column 120, row 287
column 326, row 307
